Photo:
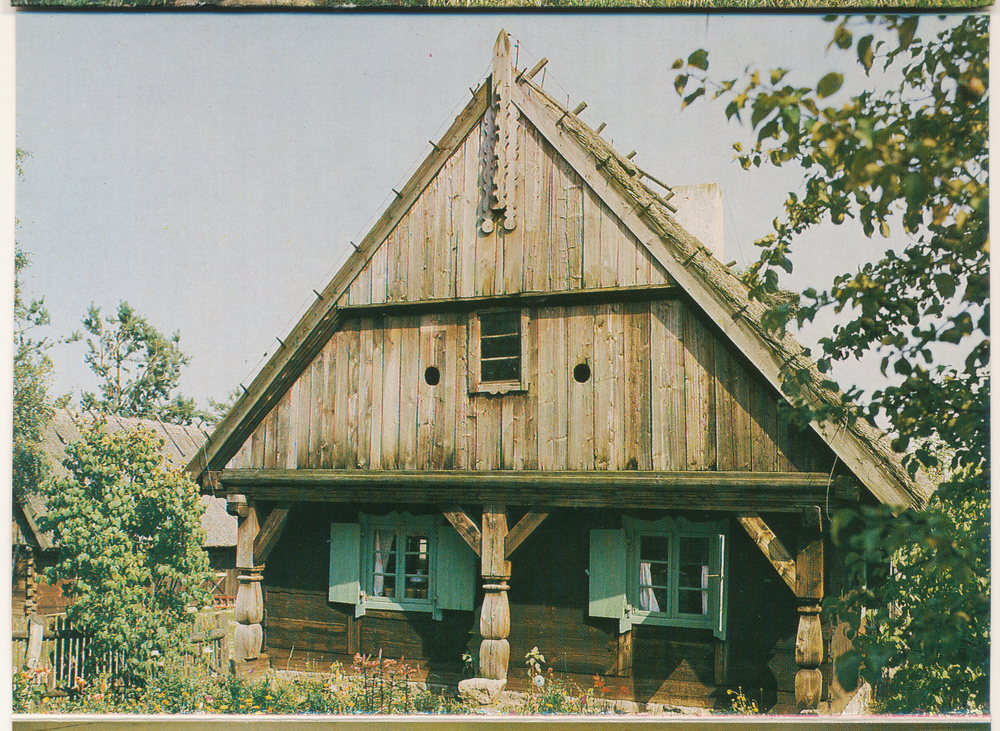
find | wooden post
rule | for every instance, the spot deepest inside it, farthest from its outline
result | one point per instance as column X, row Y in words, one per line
column 494, row 621
column 30, row 583
column 248, row 634
column 809, row 591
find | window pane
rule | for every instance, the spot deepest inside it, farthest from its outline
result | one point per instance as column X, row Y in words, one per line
column 692, row 601
column 417, row 565
column 503, row 369
column 655, row 548
column 653, row 600
column 384, row 566
column 503, row 346
column 694, row 562
column 500, row 323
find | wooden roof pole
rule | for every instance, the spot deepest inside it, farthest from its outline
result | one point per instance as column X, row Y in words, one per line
column 248, row 634
column 809, row 592
column 494, row 620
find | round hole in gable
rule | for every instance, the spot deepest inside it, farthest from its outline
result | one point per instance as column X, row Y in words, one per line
column 432, row 376
column 581, row 374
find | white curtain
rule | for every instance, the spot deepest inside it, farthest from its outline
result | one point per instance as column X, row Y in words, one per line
column 383, row 544
column 647, row 599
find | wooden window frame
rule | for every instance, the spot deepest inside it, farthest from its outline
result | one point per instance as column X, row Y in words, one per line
column 401, row 523
column 476, row 384
column 675, row 529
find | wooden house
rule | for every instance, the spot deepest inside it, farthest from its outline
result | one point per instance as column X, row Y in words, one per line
column 532, row 409
column 34, row 550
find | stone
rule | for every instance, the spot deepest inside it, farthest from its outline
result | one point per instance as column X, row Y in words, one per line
column 480, row 690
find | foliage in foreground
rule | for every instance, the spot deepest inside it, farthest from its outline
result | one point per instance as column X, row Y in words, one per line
column 372, row 685
column 129, row 534
column 911, row 158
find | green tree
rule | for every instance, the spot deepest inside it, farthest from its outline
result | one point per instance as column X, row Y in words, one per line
column 138, row 367
column 129, row 533
column 911, row 157
column 32, row 407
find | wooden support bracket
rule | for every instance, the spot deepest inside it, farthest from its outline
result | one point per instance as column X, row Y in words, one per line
column 524, row 528
column 270, row 532
column 770, row 546
column 465, row 526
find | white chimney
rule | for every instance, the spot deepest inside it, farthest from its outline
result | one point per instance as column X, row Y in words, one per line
column 699, row 211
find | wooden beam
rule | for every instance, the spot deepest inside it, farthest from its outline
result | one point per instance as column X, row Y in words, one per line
column 770, row 546
column 322, row 318
column 269, row 534
column 524, row 528
column 809, row 562
column 738, row 491
column 465, row 526
column 562, row 298
column 494, row 563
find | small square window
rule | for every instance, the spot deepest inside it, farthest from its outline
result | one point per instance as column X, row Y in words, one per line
column 496, row 348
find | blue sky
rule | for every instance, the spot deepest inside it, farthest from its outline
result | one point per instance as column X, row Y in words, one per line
column 212, row 168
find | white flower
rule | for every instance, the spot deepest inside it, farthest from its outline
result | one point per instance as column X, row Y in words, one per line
column 154, row 653
column 539, row 681
column 206, row 650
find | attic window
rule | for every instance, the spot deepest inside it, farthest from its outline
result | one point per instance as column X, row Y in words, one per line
column 497, row 342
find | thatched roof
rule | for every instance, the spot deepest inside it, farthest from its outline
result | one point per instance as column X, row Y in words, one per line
column 180, row 444
column 618, row 182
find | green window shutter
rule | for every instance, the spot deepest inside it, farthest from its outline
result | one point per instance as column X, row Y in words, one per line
column 608, row 577
column 345, row 565
column 455, row 574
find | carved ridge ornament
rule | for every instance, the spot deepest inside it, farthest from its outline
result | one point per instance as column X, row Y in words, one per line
column 499, row 147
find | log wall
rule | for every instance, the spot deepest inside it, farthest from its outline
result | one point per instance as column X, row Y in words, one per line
column 548, row 606
column 664, row 393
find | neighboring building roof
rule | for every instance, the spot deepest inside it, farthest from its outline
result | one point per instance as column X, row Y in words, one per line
column 180, row 444
column 617, row 181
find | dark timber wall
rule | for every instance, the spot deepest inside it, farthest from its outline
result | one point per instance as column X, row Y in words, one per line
column 548, row 603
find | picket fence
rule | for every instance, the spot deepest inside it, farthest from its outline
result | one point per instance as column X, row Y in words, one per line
column 67, row 651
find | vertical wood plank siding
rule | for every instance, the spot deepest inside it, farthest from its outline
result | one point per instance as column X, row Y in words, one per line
column 565, row 238
column 663, row 393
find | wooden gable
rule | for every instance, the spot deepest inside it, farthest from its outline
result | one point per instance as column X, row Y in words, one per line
column 565, row 238
column 664, row 393
column 527, row 204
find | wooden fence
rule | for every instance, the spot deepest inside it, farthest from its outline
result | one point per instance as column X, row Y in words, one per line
column 67, row 651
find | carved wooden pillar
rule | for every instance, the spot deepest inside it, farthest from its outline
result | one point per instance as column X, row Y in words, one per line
column 30, row 583
column 809, row 591
column 494, row 621
column 248, row 634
